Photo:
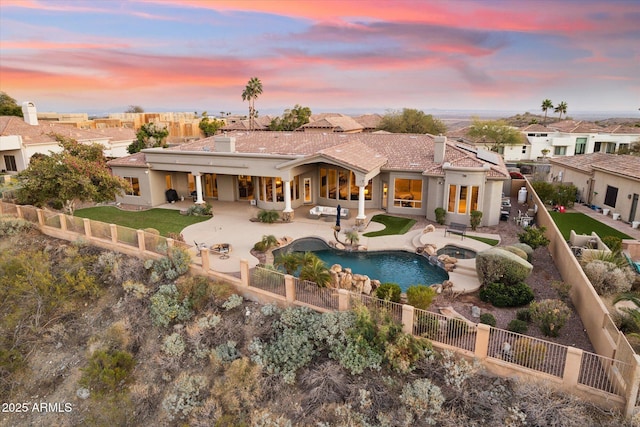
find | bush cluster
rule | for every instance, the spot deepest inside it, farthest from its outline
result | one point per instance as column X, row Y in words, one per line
column 108, row 371
column 389, row 292
column 488, row 319
column 497, row 265
column 534, row 237
column 232, row 302
column 518, row 326
column 173, row 345
column 10, row 226
column 420, row 296
column 268, row 217
column 170, row 267
column 166, row 306
column 184, row 396
column 267, row 242
column 529, row 353
column 550, row 315
column 501, row 295
column 607, row 278
column 423, row 399
column 200, row 210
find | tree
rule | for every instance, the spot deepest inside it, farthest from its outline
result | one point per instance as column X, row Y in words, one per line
column 633, row 149
column 561, row 108
column 135, row 109
column 250, row 93
column 78, row 173
column 209, row 127
column 148, row 136
column 495, row 132
column 9, row 106
column 292, row 119
column 546, row 105
column 410, row 120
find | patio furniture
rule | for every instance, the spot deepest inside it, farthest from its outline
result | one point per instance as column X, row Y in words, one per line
column 319, row 211
column 456, row 228
column 222, row 249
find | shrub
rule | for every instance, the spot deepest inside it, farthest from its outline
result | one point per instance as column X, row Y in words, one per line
column 10, row 226
column 518, row 326
column 501, row 295
column 550, row 315
column 497, row 265
column 563, row 288
column 607, row 278
column 170, row 267
column 528, row 353
column 227, row 352
column 522, row 254
column 457, row 370
column 288, row 352
column 184, row 396
column 389, row 292
column 198, row 289
column 166, row 306
column 534, row 237
column 138, row 290
column 108, row 371
column 488, row 319
column 267, row 242
column 526, row 248
column 232, row 302
column 544, row 190
column 200, row 210
column 420, row 296
column 614, row 243
column 475, row 220
column 268, row 217
column 173, row 345
column 441, row 214
column 422, row 398
column 524, row 314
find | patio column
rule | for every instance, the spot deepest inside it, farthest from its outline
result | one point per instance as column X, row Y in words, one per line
column 199, row 199
column 288, row 212
column 361, row 216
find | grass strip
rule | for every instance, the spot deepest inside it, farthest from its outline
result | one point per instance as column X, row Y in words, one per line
column 392, row 225
column 583, row 224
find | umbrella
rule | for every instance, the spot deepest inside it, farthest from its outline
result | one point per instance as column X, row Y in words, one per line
column 338, row 216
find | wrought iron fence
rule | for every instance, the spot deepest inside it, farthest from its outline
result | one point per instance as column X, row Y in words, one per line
column 446, row 330
column 268, row 280
column 604, row 373
column 310, row 293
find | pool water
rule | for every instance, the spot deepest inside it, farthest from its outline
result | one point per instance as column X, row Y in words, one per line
column 457, row 252
column 404, row 268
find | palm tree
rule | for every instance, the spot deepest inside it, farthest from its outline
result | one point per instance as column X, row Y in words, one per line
column 561, row 108
column 290, row 261
column 250, row 93
column 317, row 272
column 546, row 105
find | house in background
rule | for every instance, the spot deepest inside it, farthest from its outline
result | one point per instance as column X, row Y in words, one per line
column 22, row 138
column 400, row 173
column 609, row 181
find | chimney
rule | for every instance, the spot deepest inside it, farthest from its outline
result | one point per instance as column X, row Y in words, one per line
column 440, row 143
column 224, row 144
column 29, row 112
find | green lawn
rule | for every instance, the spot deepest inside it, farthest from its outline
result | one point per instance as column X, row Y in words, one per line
column 392, row 224
column 164, row 220
column 490, row 242
column 583, row 224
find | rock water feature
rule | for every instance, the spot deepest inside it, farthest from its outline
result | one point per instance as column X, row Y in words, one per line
column 344, row 278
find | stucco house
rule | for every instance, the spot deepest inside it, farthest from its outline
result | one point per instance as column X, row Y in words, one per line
column 21, row 138
column 401, row 173
column 609, row 181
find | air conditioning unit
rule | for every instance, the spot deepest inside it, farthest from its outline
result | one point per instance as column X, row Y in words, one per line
column 253, row 202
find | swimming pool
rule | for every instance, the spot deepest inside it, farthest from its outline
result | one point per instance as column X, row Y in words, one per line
column 457, row 252
column 404, row 268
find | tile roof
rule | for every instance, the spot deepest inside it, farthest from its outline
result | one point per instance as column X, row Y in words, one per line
column 137, row 160
column 335, row 124
column 613, row 163
column 369, row 121
column 621, row 130
column 536, row 127
column 573, row 126
column 403, row 152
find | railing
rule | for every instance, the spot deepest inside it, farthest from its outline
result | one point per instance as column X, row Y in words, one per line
column 392, row 308
column 268, row 280
column 603, row 373
column 310, row 293
column 446, row 330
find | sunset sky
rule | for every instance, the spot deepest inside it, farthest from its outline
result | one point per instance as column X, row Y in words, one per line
column 345, row 56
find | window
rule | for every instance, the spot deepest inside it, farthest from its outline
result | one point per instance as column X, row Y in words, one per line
column 581, row 145
column 624, row 148
column 135, row 185
column 463, row 199
column 10, row 163
column 407, row 193
column 611, row 196
column 560, row 151
column 524, row 149
column 340, row 184
column 610, row 148
column 597, row 146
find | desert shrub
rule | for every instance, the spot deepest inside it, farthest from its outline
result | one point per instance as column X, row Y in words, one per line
column 178, row 237
column 184, row 396
column 514, row 250
column 529, row 353
column 403, row 352
column 232, row 302
column 563, row 288
column 534, row 237
column 267, row 242
column 524, row 314
column 270, row 309
column 614, row 243
column 137, row 289
column 118, row 336
column 488, row 319
column 497, row 265
column 170, row 267
column 166, row 306
column 208, row 321
column 268, row 217
column 108, row 371
column 423, row 399
column 200, row 210
column 441, row 214
column 389, row 292
column 173, row 345
column 544, row 190
column 518, row 326
column 284, row 355
column 475, row 220
column 607, row 278
column 237, row 393
column 420, row 296
column 565, row 194
column 550, row 315
column 198, row 289
column 457, row 370
column 526, row 248
column 227, row 352
column 501, row 295
column 10, row 226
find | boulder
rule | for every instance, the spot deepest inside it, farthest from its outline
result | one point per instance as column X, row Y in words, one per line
column 366, row 286
column 430, row 250
column 475, row 311
column 429, row 229
column 449, row 267
column 340, row 246
column 336, row 268
column 363, row 248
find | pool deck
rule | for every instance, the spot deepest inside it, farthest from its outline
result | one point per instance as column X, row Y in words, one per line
column 231, row 224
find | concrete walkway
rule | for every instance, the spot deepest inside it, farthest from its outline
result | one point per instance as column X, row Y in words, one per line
column 231, row 224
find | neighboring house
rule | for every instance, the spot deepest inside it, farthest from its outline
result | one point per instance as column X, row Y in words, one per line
column 400, row 173
column 610, row 181
column 22, row 138
column 241, row 125
column 342, row 124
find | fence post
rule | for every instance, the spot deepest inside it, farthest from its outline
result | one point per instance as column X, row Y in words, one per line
column 482, row 340
column 40, row 213
column 87, row 227
column 244, row 272
column 408, row 312
column 290, row 288
column 1, row 207
column 204, row 254
column 114, row 233
column 572, row 368
column 344, row 300
column 140, row 240
column 632, row 388
column 19, row 211
column 170, row 242
column 63, row 222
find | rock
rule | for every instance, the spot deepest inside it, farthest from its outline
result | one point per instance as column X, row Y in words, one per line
column 347, row 270
column 438, row 288
column 340, row 246
column 359, row 277
column 430, row 250
column 363, row 248
column 475, row 311
column 336, row 268
column 83, row 393
column 449, row 267
column 429, row 229
column 366, row 286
